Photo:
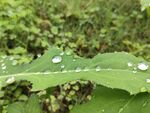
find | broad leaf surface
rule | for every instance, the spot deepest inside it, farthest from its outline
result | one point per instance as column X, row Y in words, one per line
column 106, row 100
column 114, row 72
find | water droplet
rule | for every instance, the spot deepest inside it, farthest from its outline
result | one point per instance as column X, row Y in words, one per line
column 2, row 64
column 68, row 53
column 11, row 58
column 64, row 71
column 98, row 68
column 78, row 69
column 1, row 60
column 142, row 66
column 130, row 64
column 10, row 80
column 143, row 89
column 86, row 69
column 134, row 71
column 4, row 56
column 57, row 59
column 74, row 60
column 148, row 80
column 46, row 72
column 39, row 55
column 4, row 71
column 62, row 53
column 103, row 110
column 14, row 62
column 109, row 69
column 62, row 66
column 4, row 67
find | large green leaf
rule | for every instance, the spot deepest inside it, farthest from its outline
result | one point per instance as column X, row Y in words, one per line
column 106, row 100
column 111, row 70
column 32, row 106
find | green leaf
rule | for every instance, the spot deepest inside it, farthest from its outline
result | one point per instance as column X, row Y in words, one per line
column 145, row 4
column 106, row 100
column 32, row 106
column 54, row 30
column 110, row 70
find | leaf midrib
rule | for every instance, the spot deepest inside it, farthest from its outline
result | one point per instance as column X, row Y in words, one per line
column 69, row 71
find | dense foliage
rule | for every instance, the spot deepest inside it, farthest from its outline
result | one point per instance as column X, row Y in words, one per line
column 85, row 27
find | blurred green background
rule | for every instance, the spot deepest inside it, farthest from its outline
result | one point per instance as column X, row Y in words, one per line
column 86, row 27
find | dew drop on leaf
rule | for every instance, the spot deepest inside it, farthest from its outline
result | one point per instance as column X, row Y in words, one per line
column 98, row 68
column 142, row 66
column 62, row 53
column 14, row 62
column 39, row 55
column 103, row 110
column 86, row 69
column 56, row 59
column 68, row 53
column 3, row 64
column 3, row 71
column 11, row 58
column 10, row 80
column 4, row 56
column 62, row 66
column 1, row 61
column 129, row 64
column 78, row 69
column 64, row 71
column 134, row 71
column 134, row 68
column 109, row 69
column 148, row 80
column 143, row 89
column 4, row 67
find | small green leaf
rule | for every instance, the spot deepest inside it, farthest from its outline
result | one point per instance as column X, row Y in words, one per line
column 145, row 4
column 31, row 106
column 54, row 30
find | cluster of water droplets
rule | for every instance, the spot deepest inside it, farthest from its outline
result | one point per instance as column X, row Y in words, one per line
column 59, row 58
column 140, row 66
column 143, row 66
column 3, row 65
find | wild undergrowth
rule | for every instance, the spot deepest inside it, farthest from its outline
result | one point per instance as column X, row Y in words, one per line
column 85, row 27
